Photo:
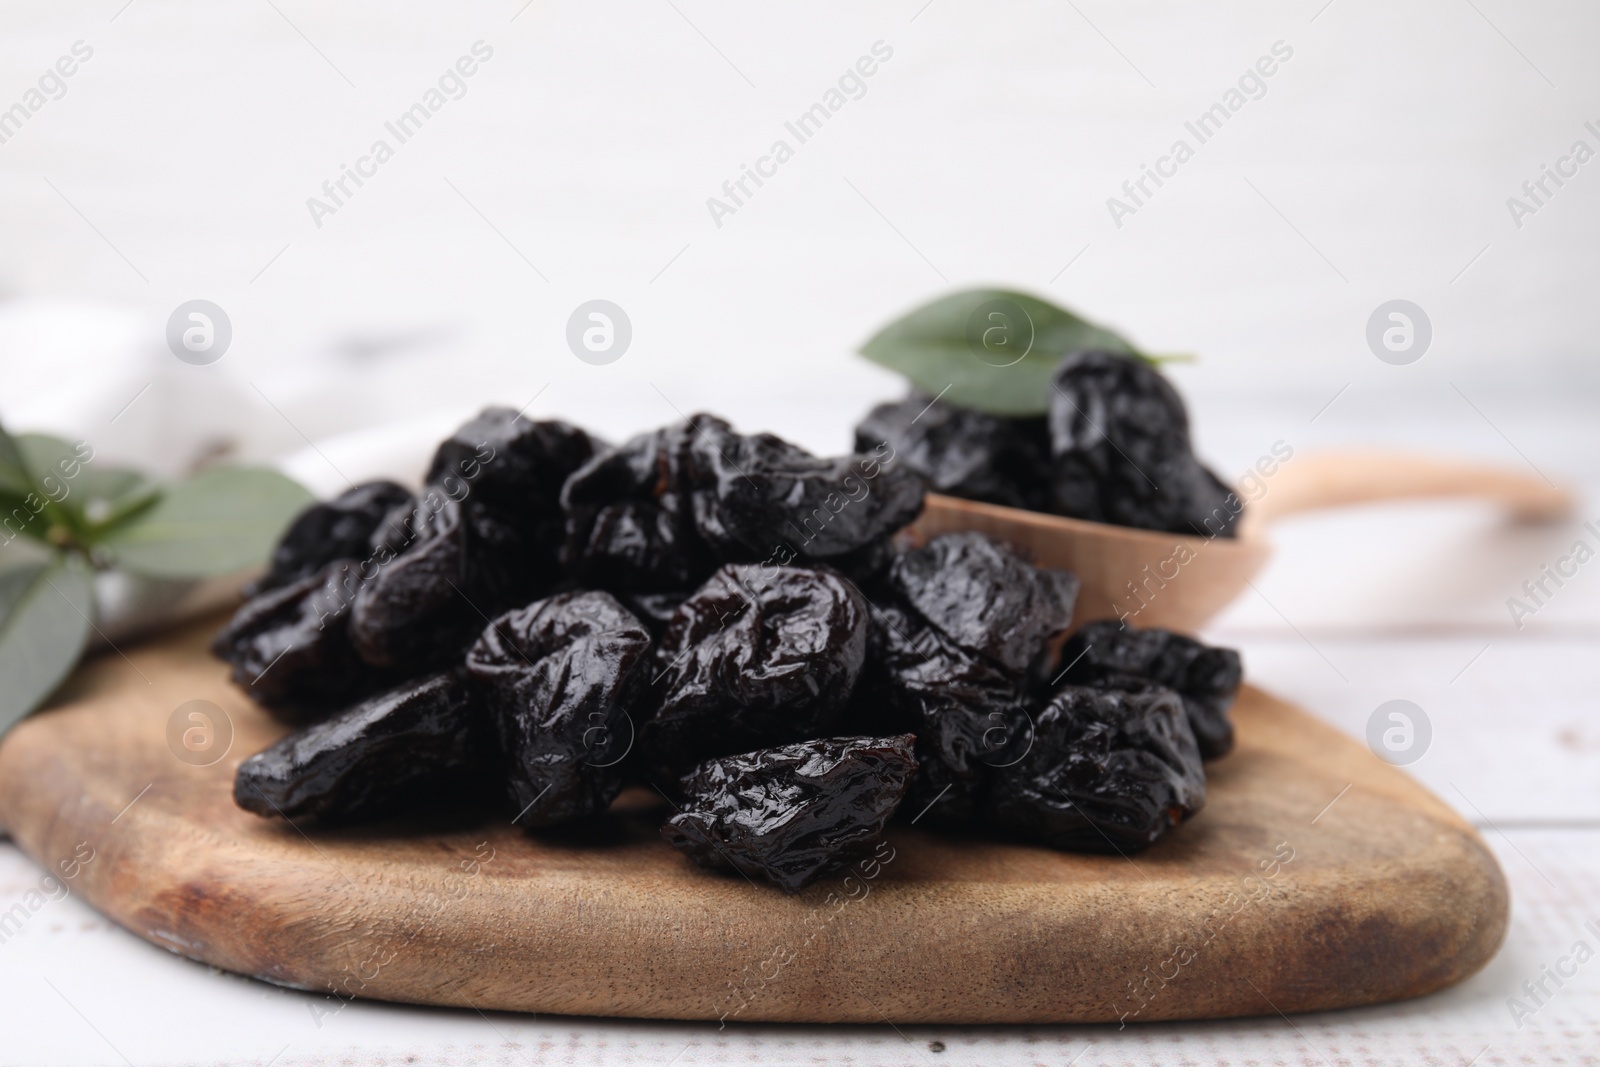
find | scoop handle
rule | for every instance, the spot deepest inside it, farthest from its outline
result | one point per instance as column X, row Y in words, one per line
column 1335, row 479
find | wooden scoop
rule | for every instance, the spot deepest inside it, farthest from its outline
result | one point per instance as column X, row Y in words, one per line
column 1179, row 582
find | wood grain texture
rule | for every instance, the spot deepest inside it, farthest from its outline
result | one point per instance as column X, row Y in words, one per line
column 1388, row 893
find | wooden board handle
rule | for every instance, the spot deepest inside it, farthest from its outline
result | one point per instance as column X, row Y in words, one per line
column 1335, row 479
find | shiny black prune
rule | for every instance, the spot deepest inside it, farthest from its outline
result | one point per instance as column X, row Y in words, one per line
column 759, row 498
column 759, row 656
column 661, row 512
column 965, row 453
column 1104, row 653
column 438, row 574
column 421, row 742
column 1106, row 770
column 790, row 815
column 968, row 713
column 290, row 647
column 559, row 678
column 984, row 597
column 629, row 520
column 956, row 625
column 1120, row 450
column 516, row 466
column 340, row 528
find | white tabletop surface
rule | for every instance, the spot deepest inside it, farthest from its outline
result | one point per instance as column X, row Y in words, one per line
column 1377, row 164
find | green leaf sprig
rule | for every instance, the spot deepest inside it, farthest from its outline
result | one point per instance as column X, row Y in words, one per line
column 993, row 350
column 63, row 518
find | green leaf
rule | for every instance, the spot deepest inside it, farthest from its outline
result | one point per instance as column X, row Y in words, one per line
column 58, row 465
column 220, row 521
column 989, row 349
column 99, row 497
column 44, row 626
column 13, row 469
column 57, row 469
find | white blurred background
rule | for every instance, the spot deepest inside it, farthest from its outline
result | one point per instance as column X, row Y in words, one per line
column 579, row 161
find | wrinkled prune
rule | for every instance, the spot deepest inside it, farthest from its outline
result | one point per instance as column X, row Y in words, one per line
column 790, row 815
column 955, row 628
column 1107, row 770
column 483, row 537
column 440, row 572
column 984, row 597
column 517, row 467
column 559, row 677
column 630, row 526
column 756, row 496
column 759, row 656
column 290, row 647
column 424, row 740
column 968, row 713
column 965, row 453
column 663, row 511
column 1120, row 451
column 1104, row 653
column 340, row 528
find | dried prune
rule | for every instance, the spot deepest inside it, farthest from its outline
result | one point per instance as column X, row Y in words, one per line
column 965, row 453
column 517, row 466
column 559, row 678
column 984, row 597
column 790, row 815
column 340, row 528
column 761, row 498
column 664, row 510
column 630, row 526
column 440, row 572
column 1106, row 770
column 423, row 741
column 290, row 647
column 1120, row 450
column 759, row 656
column 1104, row 653
column 956, row 625
column 968, row 713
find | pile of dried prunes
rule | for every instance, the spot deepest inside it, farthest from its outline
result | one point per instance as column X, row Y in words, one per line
column 725, row 619
column 1113, row 448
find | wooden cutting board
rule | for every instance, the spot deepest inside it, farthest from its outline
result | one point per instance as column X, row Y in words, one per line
column 1317, row 877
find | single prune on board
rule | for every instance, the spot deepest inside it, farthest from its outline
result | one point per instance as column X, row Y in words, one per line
column 962, row 452
column 1106, row 770
column 515, row 465
column 968, row 713
column 792, row 814
column 559, row 678
column 440, row 572
column 759, row 656
column 290, row 647
column 340, row 528
column 985, row 597
column 1104, row 653
column 421, row 742
column 1120, row 450
column 629, row 520
column 758, row 498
